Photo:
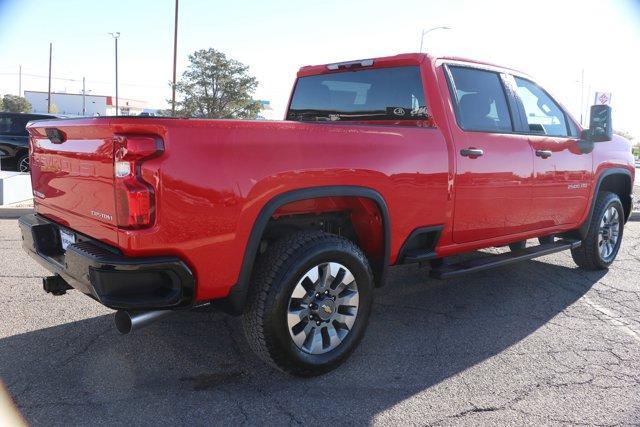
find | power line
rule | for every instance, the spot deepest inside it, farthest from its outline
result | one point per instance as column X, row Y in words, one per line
column 80, row 80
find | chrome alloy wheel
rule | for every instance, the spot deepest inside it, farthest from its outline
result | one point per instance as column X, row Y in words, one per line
column 23, row 165
column 323, row 308
column 609, row 233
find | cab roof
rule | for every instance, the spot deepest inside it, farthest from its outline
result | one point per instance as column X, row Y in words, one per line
column 400, row 60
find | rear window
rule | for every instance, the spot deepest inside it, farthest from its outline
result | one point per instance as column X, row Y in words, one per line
column 376, row 94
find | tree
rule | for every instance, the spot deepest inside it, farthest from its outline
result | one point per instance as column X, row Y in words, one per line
column 53, row 109
column 216, row 87
column 16, row 104
column 624, row 134
column 1, row 105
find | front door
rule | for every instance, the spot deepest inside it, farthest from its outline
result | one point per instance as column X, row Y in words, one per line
column 562, row 172
column 494, row 166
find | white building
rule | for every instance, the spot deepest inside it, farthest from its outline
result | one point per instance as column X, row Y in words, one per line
column 71, row 104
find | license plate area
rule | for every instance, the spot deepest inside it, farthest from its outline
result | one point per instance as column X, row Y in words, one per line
column 66, row 239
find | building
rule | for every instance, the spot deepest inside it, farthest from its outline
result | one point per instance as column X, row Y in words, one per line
column 75, row 104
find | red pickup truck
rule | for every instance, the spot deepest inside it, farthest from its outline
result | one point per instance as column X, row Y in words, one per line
column 385, row 161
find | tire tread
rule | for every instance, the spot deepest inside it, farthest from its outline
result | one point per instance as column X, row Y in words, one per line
column 270, row 266
column 586, row 255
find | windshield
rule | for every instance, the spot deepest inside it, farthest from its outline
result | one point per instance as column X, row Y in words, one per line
column 375, row 94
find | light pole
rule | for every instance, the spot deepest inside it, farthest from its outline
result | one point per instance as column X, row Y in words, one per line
column 425, row 32
column 49, row 91
column 115, row 37
column 175, row 53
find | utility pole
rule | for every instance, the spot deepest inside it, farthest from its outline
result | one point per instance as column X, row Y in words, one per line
column 49, row 92
column 115, row 37
column 84, row 105
column 582, row 98
column 175, row 53
column 20, row 80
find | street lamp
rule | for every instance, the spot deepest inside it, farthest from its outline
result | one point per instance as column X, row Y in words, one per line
column 175, row 53
column 425, row 32
column 115, row 37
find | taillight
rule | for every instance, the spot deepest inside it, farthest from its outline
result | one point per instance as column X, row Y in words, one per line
column 135, row 201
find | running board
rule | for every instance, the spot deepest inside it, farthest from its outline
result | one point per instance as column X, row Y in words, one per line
column 486, row 263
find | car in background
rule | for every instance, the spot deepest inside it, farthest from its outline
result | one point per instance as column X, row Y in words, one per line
column 14, row 139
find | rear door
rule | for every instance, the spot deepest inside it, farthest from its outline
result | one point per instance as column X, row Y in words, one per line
column 562, row 172
column 494, row 165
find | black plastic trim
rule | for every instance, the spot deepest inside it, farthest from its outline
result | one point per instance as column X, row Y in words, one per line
column 494, row 261
column 103, row 273
column 413, row 250
column 235, row 302
column 584, row 228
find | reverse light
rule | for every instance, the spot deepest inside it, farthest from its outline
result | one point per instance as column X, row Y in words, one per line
column 135, row 201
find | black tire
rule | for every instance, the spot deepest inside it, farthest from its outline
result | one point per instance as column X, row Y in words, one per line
column 588, row 255
column 275, row 277
column 518, row 245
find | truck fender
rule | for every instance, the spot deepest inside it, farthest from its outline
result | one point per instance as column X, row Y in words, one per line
column 584, row 228
column 235, row 302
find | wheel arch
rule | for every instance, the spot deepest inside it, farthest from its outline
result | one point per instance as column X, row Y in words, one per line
column 616, row 180
column 235, row 302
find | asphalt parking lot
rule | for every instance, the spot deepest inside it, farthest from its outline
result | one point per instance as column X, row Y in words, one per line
column 536, row 343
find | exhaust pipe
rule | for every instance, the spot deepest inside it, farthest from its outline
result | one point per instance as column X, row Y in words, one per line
column 127, row 321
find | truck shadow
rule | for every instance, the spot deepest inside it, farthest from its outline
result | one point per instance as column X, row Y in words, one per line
column 194, row 367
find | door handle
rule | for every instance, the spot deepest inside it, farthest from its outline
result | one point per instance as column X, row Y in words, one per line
column 471, row 152
column 543, row 153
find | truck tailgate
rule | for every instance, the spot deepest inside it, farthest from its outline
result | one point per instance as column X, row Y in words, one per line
column 72, row 174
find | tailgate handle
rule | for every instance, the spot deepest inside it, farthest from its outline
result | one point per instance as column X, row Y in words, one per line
column 55, row 135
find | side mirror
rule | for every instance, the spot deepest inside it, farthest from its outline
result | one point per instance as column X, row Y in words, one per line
column 600, row 128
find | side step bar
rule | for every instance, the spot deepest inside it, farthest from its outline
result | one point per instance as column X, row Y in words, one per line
column 486, row 263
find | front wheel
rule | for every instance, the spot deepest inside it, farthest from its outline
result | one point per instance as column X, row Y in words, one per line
column 22, row 164
column 602, row 243
column 310, row 302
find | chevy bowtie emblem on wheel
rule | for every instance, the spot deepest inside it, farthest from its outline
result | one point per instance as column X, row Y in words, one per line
column 326, row 309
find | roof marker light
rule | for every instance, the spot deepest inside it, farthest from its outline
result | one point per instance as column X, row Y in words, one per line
column 350, row 64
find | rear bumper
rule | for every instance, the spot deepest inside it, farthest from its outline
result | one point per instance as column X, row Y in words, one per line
column 103, row 273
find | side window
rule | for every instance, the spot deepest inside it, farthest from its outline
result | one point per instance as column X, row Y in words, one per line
column 480, row 100
column 5, row 124
column 13, row 125
column 544, row 116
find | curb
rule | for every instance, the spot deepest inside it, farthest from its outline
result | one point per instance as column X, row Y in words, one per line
column 635, row 216
column 14, row 213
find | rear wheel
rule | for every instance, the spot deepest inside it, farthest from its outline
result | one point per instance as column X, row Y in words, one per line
column 310, row 303
column 602, row 243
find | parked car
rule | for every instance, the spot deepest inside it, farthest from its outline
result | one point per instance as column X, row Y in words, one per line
column 14, row 139
column 292, row 224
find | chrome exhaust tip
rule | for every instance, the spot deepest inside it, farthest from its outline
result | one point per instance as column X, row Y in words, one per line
column 127, row 321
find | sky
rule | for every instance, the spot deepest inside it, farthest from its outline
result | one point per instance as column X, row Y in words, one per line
column 554, row 41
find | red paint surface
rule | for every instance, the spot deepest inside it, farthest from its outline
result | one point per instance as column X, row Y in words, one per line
column 215, row 176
